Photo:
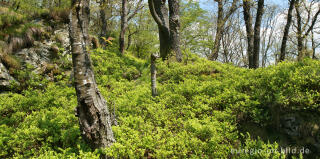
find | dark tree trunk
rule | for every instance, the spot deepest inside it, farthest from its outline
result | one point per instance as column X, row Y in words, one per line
column 168, row 31
column 248, row 21
column 286, row 32
column 92, row 110
column 165, row 47
column 153, row 70
column 103, row 21
column 299, row 33
column 257, row 26
column 174, row 21
column 159, row 12
column 124, row 25
column 313, row 46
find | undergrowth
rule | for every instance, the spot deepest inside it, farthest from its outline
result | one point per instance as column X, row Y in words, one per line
column 196, row 114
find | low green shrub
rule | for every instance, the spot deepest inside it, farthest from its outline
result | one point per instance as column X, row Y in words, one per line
column 196, row 114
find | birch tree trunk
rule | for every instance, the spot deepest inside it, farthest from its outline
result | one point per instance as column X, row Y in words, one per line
column 92, row 110
column 153, row 70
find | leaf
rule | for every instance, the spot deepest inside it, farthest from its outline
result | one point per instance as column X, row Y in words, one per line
column 108, row 40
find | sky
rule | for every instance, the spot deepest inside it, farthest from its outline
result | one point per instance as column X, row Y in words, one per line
column 210, row 4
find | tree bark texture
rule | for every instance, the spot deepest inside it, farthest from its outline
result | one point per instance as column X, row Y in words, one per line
column 92, row 110
column 174, row 22
column 286, row 32
column 256, row 41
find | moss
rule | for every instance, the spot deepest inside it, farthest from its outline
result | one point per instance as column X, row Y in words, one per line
column 11, row 62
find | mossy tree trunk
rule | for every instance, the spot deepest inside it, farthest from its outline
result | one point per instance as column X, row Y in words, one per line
column 92, row 110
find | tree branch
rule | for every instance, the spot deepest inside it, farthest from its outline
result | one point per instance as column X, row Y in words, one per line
column 138, row 8
column 313, row 22
column 154, row 13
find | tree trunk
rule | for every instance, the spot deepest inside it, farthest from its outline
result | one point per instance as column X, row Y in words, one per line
column 168, row 31
column 257, row 26
column 165, row 46
column 103, row 21
column 222, row 19
column 92, row 110
column 286, row 32
column 313, row 46
column 129, row 40
column 159, row 12
column 299, row 33
column 220, row 24
column 174, row 21
column 124, row 25
column 153, row 70
column 248, row 21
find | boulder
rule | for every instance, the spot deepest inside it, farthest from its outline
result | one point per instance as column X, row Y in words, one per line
column 5, row 78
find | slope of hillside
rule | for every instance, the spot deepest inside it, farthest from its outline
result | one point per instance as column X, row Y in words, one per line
column 202, row 109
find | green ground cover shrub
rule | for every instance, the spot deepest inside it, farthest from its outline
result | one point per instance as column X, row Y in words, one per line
column 196, row 114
